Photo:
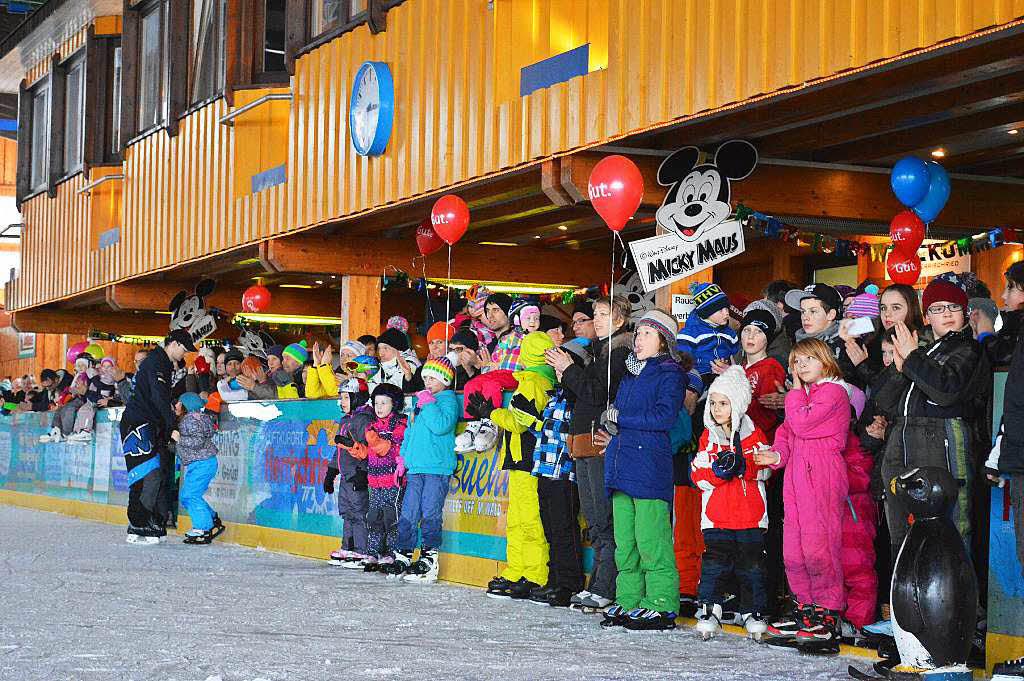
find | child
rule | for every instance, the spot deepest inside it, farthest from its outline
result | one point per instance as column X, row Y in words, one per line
column 810, row 444
column 735, row 511
column 198, row 455
column 706, row 335
column 860, row 522
column 765, row 374
column 428, row 453
column 638, row 476
column 384, row 473
column 101, row 392
column 353, row 497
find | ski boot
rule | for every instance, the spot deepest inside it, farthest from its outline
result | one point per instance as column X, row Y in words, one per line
column 755, row 625
column 709, row 620
column 821, row 635
column 499, row 587
column 204, row 537
column 643, row 619
column 614, row 616
column 424, row 570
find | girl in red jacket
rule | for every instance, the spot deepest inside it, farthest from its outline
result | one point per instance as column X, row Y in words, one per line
column 734, row 516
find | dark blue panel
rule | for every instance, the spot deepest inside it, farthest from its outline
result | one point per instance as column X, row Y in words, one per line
column 110, row 237
column 557, row 69
column 8, row 124
column 269, row 178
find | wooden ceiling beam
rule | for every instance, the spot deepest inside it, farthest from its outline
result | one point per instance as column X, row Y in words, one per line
column 154, row 296
column 81, row 322
column 977, row 157
column 365, row 256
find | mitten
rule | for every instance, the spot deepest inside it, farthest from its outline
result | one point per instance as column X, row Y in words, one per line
column 729, row 465
column 332, row 472
column 360, row 480
column 376, row 443
column 610, row 420
column 399, row 470
column 424, row 397
column 480, row 406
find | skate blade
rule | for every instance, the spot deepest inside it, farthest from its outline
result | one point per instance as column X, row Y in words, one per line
column 499, row 597
column 417, row 579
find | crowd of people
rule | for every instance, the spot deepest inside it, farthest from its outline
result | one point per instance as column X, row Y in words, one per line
column 735, row 469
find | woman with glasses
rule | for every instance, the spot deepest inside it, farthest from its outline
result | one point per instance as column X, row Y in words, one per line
column 939, row 386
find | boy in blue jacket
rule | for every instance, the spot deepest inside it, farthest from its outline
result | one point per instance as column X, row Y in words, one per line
column 706, row 336
column 428, row 457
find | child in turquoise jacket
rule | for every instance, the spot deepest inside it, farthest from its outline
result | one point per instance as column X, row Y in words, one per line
column 428, row 455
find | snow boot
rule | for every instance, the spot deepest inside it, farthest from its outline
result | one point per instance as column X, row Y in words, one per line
column 1011, row 670
column 204, row 537
column 465, row 439
column 644, row 619
column 424, row 570
column 755, row 624
column 709, row 620
column 487, row 436
column 789, row 624
column 499, row 587
column 520, row 591
column 614, row 616
column 821, row 635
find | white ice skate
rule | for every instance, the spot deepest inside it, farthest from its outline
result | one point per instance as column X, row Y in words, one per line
column 339, row 557
column 53, row 436
column 709, row 620
column 755, row 624
column 424, row 570
column 81, row 437
column 465, row 440
column 486, row 436
column 142, row 539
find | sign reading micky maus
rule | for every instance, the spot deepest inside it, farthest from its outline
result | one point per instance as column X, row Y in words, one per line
column 694, row 214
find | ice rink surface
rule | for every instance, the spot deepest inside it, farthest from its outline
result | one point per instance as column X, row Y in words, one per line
column 78, row 603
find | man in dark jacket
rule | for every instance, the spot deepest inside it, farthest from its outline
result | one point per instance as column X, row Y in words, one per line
column 45, row 398
column 145, row 429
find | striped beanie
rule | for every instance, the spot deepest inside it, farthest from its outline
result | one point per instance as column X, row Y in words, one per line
column 708, row 299
column 441, row 369
column 662, row 323
column 866, row 304
column 297, row 351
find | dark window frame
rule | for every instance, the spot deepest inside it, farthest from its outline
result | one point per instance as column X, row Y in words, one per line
column 255, row 30
column 299, row 40
column 144, row 9
column 58, row 116
column 98, row 140
column 25, row 189
column 218, row 52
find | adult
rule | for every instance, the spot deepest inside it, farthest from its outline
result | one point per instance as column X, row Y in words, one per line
column 46, row 398
column 554, row 327
column 465, row 345
column 594, row 388
column 146, row 427
column 370, row 343
column 397, row 365
column 583, row 320
column 939, row 387
column 439, row 337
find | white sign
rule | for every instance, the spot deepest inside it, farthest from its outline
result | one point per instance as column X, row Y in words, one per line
column 939, row 257
column 661, row 260
column 682, row 306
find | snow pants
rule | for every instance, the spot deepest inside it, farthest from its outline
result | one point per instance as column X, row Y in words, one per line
column 734, row 552
column 353, row 506
column 689, row 541
column 145, row 480
column 559, row 515
column 382, row 520
column 64, row 417
column 860, row 518
column 814, row 494
column 597, row 510
column 647, row 576
column 490, row 385
column 422, row 508
column 526, row 548
column 198, row 475
column 85, row 418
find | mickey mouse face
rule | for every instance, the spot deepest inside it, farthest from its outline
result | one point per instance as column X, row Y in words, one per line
column 187, row 313
column 631, row 288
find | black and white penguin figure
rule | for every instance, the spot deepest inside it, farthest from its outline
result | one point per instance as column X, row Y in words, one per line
column 934, row 593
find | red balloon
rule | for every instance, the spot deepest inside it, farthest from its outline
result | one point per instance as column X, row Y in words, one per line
column 450, row 218
column 427, row 239
column 616, row 188
column 903, row 269
column 907, row 232
column 255, row 299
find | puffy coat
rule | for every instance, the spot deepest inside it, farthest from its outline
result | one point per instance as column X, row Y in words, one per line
column 195, row 438
column 429, row 443
column 706, row 342
column 639, row 458
column 739, row 503
column 1006, row 347
column 383, row 442
column 589, row 384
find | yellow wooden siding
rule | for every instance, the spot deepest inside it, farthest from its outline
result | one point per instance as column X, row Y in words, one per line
column 666, row 59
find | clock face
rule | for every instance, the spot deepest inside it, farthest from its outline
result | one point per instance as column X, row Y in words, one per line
column 371, row 109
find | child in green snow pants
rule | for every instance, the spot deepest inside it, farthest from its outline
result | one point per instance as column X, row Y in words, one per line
column 644, row 554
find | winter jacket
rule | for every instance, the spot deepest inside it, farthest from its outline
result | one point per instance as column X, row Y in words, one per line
column 1006, row 348
column 551, row 455
column 230, row 391
column 352, row 450
column 639, row 458
column 816, row 426
column 384, row 441
column 945, row 379
column 429, row 443
column 195, row 438
column 739, row 503
column 589, row 384
column 706, row 342
column 263, row 391
column 98, row 389
column 763, row 375
column 151, row 402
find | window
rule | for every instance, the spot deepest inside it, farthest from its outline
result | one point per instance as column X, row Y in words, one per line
column 40, row 137
column 327, row 15
column 114, row 120
column 206, row 50
column 270, row 24
column 152, row 74
column 74, row 115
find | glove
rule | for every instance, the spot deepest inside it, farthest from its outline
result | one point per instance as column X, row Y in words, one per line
column 399, row 470
column 424, row 397
column 344, row 439
column 729, row 465
column 332, row 472
column 360, row 480
column 609, row 421
column 480, row 406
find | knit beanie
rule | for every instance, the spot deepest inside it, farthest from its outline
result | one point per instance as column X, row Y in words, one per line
column 440, row 331
column 477, row 298
column 502, row 300
column 985, row 305
column 441, row 369
column 393, row 392
column 395, row 339
column 584, row 306
column 353, row 346
column 233, row 355
column 548, row 322
column 708, row 299
column 662, row 323
column 866, row 304
column 466, row 337
column 940, row 290
column 398, row 322
column 769, row 307
column 275, row 350
column 192, row 402
column 297, row 351
column 532, row 350
column 760, row 319
column 734, row 384
column 358, row 392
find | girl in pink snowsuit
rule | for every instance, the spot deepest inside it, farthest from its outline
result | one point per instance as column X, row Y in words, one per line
column 810, row 444
column 860, row 523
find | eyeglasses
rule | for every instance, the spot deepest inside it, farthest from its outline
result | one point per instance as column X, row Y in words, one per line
column 581, row 321
column 939, row 309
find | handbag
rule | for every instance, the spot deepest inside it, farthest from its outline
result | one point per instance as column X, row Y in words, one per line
column 582, row 446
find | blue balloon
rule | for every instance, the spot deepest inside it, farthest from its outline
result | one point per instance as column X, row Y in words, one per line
column 910, row 180
column 938, row 193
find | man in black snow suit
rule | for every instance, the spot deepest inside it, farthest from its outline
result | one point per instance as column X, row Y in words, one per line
column 145, row 429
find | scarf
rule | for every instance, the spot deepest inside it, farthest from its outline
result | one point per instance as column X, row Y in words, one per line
column 826, row 334
column 545, row 371
column 635, row 365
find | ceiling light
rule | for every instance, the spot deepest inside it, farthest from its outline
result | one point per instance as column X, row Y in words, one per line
column 563, row 228
column 288, row 319
column 319, row 281
column 506, row 286
column 536, row 236
column 939, row 153
column 497, row 243
column 1013, row 132
column 295, row 286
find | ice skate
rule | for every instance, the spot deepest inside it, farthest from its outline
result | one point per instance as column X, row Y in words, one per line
column 786, row 627
column 594, row 603
column 709, row 620
column 141, row 539
column 688, row 605
column 643, row 619
column 424, row 570
column 354, row 561
column 615, row 616
column 559, row 597
column 486, row 436
column 339, row 557
column 369, row 564
column 520, row 591
column 218, row 527
column 81, row 437
column 730, row 610
column 540, row 595
column 54, row 435
column 400, row 562
column 465, row 440
column 820, row 636
column 755, row 624
column 192, row 537
column 1011, row 670
column 575, row 603
column 499, row 587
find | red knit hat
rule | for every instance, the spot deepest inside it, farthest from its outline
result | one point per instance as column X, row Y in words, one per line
column 940, row 290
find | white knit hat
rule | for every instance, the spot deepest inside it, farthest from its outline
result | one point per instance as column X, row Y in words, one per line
column 732, row 383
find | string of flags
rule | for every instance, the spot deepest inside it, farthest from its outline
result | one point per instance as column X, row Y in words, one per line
column 774, row 228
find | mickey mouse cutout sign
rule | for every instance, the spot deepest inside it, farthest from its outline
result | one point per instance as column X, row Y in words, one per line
column 694, row 214
column 189, row 312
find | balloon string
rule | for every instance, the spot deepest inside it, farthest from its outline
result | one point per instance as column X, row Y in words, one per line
column 448, row 299
column 611, row 316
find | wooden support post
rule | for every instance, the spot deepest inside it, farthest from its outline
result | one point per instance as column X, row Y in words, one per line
column 360, row 306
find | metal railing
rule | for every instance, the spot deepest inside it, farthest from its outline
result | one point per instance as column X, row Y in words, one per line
column 228, row 118
column 95, row 183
